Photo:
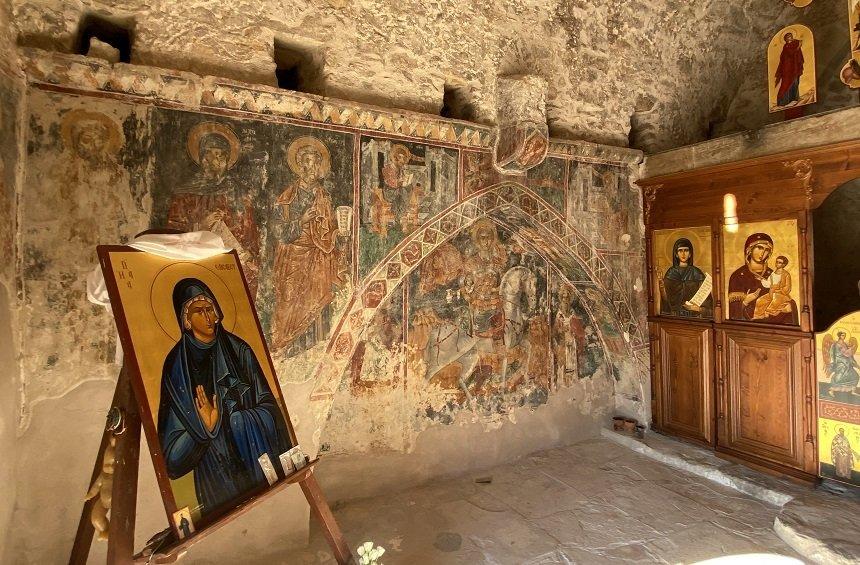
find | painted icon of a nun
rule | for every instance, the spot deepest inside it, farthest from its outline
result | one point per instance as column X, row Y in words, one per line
column 681, row 282
column 217, row 414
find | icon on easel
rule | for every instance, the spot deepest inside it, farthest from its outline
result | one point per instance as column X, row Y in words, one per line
column 184, row 523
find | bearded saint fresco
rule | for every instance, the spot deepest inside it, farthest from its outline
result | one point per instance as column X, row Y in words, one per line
column 214, row 199
column 308, row 264
column 753, row 281
column 217, row 413
column 92, row 179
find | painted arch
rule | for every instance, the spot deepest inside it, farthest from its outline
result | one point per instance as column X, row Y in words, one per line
column 509, row 205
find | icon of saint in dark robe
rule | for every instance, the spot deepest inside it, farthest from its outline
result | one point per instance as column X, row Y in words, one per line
column 789, row 71
column 681, row 282
column 217, row 413
column 753, row 280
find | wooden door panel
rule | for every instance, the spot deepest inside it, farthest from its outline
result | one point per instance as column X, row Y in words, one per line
column 685, row 393
column 762, row 400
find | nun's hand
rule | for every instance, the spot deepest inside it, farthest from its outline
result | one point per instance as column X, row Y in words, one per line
column 208, row 410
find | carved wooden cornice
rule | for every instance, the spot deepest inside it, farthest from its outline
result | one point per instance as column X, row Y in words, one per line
column 802, row 170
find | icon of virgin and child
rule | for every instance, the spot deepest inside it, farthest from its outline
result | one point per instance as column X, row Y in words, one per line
column 759, row 293
column 682, row 282
column 217, row 414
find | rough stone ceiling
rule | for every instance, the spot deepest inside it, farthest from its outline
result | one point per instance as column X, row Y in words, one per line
column 677, row 63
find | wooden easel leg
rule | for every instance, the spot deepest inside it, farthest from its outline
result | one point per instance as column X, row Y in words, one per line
column 124, row 497
column 122, row 517
column 322, row 512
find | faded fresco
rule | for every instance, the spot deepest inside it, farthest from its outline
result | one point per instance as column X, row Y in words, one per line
column 402, row 186
column 577, row 349
column 272, row 192
column 762, row 262
column 548, row 179
column 604, row 205
column 86, row 184
column 498, row 318
column 683, row 276
column 10, row 100
column 478, row 322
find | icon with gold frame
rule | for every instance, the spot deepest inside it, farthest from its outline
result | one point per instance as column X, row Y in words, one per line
column 682, row 275
column 209, row 400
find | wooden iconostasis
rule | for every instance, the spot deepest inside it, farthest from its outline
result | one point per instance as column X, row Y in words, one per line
column 736, row 362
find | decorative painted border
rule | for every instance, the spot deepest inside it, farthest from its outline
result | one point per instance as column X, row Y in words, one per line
column 79, row 72
column 86, row 74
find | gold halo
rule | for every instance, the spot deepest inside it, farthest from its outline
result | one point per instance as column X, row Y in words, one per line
column 161, row 295
column 483, row 222
column 212, row 128
column 398, row 149
column 116, row 139
column 300, row 143
column 694, row 239
column 837, row 330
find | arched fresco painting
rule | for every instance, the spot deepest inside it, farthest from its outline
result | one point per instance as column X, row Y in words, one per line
column 388, row 258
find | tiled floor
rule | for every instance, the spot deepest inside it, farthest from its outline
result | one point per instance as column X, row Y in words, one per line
column 593, row 502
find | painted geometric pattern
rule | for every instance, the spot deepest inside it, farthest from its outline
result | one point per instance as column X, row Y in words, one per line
column 187, row 88
column 509, row 199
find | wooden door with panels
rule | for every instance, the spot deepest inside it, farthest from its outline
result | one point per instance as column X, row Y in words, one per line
column 765, row 412
column 683, row 373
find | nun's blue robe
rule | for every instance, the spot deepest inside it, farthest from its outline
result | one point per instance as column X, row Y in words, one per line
column 225, row 459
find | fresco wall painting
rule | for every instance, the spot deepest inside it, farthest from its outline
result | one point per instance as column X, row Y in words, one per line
column 482, row 325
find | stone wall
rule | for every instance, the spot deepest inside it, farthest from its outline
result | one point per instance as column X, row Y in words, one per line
column 674, row 66
column 466, row 318
column 828, row 20
column 11, row 108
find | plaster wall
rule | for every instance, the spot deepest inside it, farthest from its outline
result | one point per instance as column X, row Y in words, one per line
column 11, row 108
column 438, row 239
column 828, row 20
column 675, row 66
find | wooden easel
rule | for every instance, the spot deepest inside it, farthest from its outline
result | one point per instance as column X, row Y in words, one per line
column 165, row 547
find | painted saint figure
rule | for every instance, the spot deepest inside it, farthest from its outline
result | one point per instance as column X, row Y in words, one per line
column 307, row 260
column 213, row 199
column 842, row 455
column 681, row 282
column 485, row 260
column 749, row 281
column 217, row 413
column 778, row 295
column 840, row 364
column 789, row 71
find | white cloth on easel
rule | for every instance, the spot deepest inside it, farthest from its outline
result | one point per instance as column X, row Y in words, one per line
column 181, row 246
